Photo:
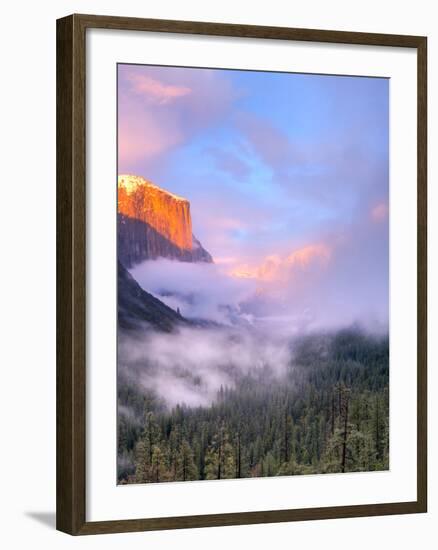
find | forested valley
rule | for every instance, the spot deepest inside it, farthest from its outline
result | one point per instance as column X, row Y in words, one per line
column 328, row 413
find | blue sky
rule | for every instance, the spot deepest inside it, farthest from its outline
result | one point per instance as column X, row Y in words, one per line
column 272, row 163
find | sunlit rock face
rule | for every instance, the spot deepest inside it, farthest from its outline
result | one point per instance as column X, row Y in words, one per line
column 153, row 222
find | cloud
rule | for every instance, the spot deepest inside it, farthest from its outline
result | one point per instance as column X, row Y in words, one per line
column 191, row 365
column 230, row 162
column 199, row 290
column 320, row 287
column 160, row 108
column 145, row 137
column 336, row 174
column 270, row 143
column 155, row 90
column 342, row 280
column 275, row 268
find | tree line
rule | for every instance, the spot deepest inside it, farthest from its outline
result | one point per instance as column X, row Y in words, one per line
column 330, row 413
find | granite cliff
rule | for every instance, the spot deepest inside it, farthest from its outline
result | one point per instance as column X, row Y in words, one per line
column 152, row 223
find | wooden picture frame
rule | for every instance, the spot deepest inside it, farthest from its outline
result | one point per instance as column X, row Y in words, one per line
column 71, row 274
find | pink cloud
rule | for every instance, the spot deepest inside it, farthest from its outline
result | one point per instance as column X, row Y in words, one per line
column 155, row 90
column 145, row 137
column 163, row 107
column 379, row 212
column 276, row 268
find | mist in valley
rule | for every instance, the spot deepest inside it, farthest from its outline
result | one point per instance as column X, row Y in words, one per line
column 270, row 390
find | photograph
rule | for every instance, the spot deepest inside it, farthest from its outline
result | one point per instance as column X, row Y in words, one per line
column 253, row 274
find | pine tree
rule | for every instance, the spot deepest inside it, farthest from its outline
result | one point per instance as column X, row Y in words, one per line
column 151, row 434
column 238, row 458
column 174, row 450
column 158, row 470
column 142, row 463
column 345, row 400
column 269, row 466
column 186, row 467
column 219, row 460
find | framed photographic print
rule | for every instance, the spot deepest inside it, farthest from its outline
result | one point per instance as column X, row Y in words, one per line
column 241, row 274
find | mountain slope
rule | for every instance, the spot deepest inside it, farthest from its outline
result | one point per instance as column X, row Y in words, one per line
column 137, row 307
column 153, row 222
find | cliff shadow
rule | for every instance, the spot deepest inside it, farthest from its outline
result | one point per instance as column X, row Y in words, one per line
column 138, row 240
